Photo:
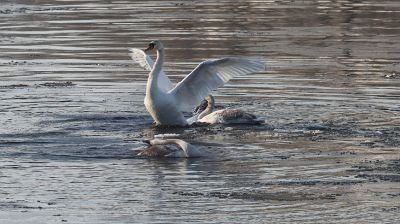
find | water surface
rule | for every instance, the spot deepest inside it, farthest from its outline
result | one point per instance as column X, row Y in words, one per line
column 71, row 113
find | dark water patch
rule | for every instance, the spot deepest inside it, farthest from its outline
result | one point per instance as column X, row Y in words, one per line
column 14, row 86
column 17, row 205
column 380, row 165
column 100, row 118
column 56, row 84
column 390, row 136
column 10, row 8
column 378, row 170
column 392, row 209
column 21, row 142
column 311, row 182
column 298, row 184
column 39, row 85
column 35, row 135
column 99, row 124
column 261, row 195
column 99, row 155
column 380, row 177
column 14, row 10
column 49, row 151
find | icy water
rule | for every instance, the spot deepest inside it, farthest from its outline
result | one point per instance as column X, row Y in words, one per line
column 71, row 113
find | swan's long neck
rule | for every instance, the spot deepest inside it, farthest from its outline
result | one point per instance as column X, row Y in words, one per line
column 209, row 108
column 155, row 72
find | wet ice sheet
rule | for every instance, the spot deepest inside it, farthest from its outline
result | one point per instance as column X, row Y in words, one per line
column 327, row 153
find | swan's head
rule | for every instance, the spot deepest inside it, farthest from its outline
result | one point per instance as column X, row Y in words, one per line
column 210, row 99
column 154, row 45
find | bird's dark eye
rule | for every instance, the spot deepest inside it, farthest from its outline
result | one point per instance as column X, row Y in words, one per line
column 151, row 45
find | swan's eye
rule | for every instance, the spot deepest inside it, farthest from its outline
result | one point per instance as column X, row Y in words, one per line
column 151, row 47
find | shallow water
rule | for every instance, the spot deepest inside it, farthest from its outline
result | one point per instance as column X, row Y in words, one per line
column 71, row 113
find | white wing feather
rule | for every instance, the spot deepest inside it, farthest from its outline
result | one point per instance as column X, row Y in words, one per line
column 145, row 61
column 208, row 76
column 141, row 58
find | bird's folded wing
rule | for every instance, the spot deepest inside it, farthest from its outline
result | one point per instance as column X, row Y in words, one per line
column 140, row 57
column 208, row 76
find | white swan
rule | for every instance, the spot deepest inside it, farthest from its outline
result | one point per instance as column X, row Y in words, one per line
column 175, row 148
column 225, row 116
column 166, row 103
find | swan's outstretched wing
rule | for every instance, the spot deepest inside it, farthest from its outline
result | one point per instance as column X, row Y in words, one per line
column 145, row 61
column 208, row 76
column 141, row 58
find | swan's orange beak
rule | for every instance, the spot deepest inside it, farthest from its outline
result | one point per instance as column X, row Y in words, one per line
column 151, row 47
